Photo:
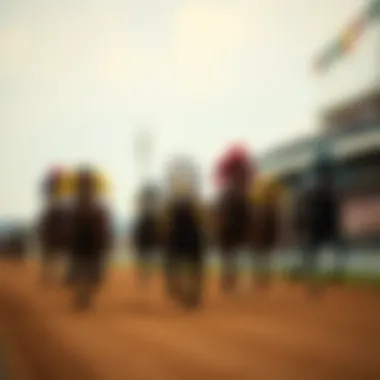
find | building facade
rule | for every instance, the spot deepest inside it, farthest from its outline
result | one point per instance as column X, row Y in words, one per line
column 357, row 156
column 347, row 95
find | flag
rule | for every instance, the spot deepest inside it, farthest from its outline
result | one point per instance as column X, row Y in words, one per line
column 373, row 11
column 352, row 33
column 318, row 65
column 349, row 37
column 330, row 56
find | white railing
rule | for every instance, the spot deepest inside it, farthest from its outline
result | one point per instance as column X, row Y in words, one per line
column 342, row 146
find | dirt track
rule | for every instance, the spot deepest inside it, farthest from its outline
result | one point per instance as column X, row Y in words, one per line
column 264, row 334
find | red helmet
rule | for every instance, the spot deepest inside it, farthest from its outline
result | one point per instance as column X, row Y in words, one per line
column 235, row 163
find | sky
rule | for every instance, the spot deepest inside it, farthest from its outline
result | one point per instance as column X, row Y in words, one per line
column 78, row 80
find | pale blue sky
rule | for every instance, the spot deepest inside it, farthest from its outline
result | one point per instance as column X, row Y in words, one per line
column 198, row 72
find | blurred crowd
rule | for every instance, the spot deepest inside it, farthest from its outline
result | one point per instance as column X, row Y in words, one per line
column 176, row 222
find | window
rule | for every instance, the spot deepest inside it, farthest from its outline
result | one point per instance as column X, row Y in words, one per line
column 356, row 113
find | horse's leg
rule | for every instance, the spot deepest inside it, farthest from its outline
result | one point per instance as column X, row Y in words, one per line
column 296, row 268
column 194, row 290
column 262, row 266
column 171, row 273
column 186, row 281
column 228, row 269
column 142, row 267
column 100, row 269
column 304, row 254
column 80, row 282
column 95, row 273
column 311, row 253
column 148, row 267
column 341, row 257
column 46, row 265
column 199, row 278
column 86, row 284
column 167, row 271
column 70, row 270
column 183, row 278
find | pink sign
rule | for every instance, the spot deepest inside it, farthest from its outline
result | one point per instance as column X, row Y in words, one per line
column 361, row 216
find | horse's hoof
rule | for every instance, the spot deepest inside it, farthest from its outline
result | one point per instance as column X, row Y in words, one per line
column 263, row 283
column 337, row 279
column 315, row 291
column 173, row 293
column 69, row 282
column 44, row 282
column 82, row 302
column 192, row 303
column 228, row 288
column 82, row 305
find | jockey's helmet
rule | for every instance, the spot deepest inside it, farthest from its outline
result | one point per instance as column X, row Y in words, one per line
column 182, row 177
column 90, row 179
column 234, row 166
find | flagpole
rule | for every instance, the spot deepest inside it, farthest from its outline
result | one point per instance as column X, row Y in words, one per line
column 143, row 148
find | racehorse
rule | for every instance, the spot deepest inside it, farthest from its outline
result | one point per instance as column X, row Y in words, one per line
column 146, row 238
column 268, row 197
column 90, row 238
column 183, row 236
column 233, row 220
column 318, row 223
column 53, row 224
column 233, row 213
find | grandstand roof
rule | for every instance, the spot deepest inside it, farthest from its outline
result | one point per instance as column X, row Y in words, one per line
column 297, row 155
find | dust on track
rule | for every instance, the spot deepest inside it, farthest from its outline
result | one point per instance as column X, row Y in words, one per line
column 275, row 333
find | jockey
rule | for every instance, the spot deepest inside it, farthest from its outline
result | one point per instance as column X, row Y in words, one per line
column 184, row 235
column 53, row 224
column 235, row 172
column 318, row 218
column 90, row 234
column 266, row 190
column 100, row 187
column 268, row 196
column 146, row 230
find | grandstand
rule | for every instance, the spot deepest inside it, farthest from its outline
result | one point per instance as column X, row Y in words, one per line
column 348, row 99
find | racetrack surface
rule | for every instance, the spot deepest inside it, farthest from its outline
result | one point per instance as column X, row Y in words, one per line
column 276, row 333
